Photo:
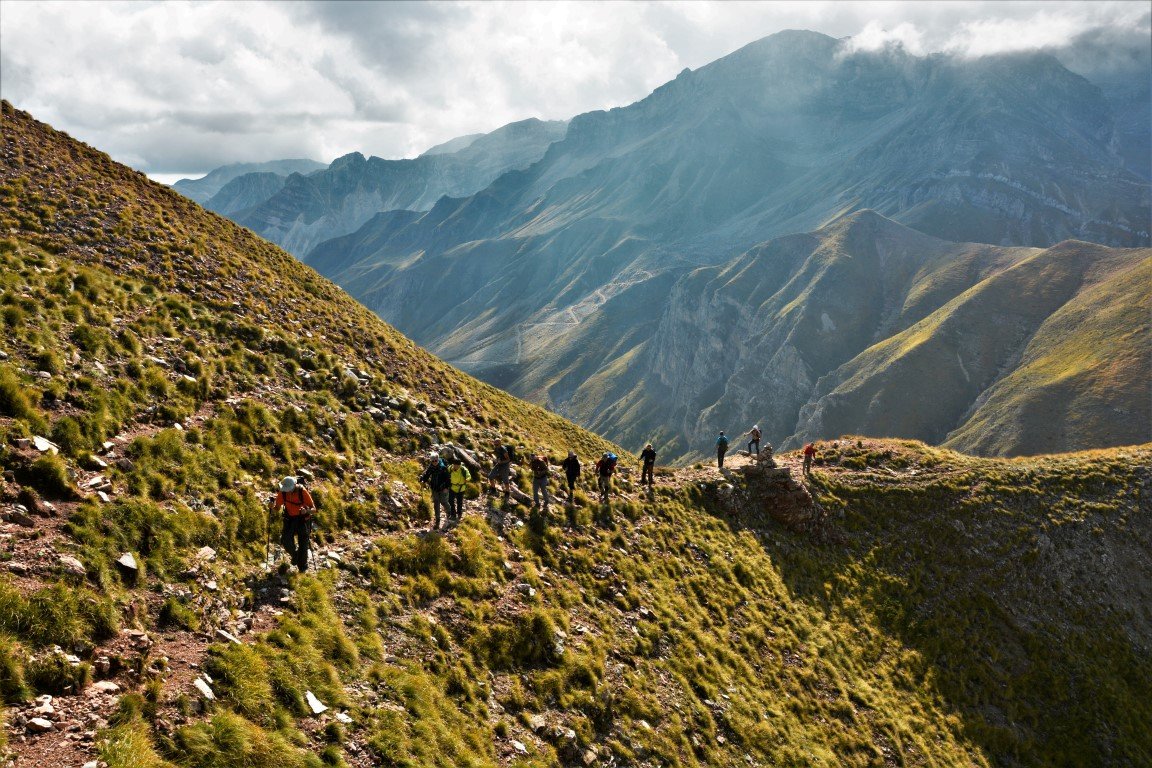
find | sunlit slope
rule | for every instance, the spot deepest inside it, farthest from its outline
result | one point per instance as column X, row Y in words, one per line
column 1044, row 356
column 70, row 200
column 947, row 611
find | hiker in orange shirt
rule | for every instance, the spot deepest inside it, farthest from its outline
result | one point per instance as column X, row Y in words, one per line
column 298, row 507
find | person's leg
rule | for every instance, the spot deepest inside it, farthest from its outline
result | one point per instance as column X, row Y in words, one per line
column 438, row 503
column 287, row 540
column 547, row 496
column 720, row 458
column 535, row 491
column 303, row 543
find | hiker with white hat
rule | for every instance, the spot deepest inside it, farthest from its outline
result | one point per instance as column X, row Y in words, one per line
column 298, row 507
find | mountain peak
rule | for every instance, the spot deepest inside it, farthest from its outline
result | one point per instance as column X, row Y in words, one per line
column 352, row 158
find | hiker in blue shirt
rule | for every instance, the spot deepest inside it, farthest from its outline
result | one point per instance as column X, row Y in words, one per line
column 721, row 449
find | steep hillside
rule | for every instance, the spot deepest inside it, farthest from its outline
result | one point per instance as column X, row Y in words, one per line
column 526, row 279
column 906, row 606
column 203, row 189
column 1047, row 355
column 310, row 209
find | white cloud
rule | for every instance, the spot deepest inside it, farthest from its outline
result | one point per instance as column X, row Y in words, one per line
column 186, row 86
column 875, row 37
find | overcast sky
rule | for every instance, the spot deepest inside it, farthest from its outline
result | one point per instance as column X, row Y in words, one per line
column 178, row 88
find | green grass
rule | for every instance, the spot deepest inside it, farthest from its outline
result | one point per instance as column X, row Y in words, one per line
column 682, row 634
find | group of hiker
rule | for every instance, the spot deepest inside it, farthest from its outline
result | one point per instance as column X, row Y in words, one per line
column 447, row 475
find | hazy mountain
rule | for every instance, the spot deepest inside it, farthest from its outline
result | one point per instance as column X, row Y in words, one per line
column 1119, row 62
column 552, row 281
column 244, row 192
column 905, row 605
column 320, row 206
column 202, row 189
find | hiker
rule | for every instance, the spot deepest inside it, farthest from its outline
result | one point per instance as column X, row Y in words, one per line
column 721, row 449
column 438, row 480
column 571, row 467
column 540, row 472
column 502, row 469
column 298, row 506
column 458, row 477
column 648, row 457
column 753, row 433
column 809, row 452
column 605, row 467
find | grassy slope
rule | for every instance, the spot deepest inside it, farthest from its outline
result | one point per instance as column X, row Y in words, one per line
column 685, row 638
column 1079, row 364
column 1075, row 304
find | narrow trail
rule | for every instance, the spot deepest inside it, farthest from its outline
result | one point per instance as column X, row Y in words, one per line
column 236, row 605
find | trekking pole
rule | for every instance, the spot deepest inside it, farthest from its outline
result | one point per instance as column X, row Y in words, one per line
column 268, row 537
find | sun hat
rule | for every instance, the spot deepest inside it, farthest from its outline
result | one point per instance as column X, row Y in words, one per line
column 288, row 484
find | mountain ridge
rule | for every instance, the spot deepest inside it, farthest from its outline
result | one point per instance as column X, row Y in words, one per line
column 899, row 604
column 204, row 188
column 1013, row 151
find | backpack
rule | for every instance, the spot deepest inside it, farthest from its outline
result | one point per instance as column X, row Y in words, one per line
column 612, row 459
column 539, row 466
column 722, row 442
column 510, row 454
column 755, row 434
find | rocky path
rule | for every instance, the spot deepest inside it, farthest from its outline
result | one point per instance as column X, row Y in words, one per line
column 62, row 730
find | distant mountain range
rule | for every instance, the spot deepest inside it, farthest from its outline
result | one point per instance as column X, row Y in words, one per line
column 308, row 209
column 203, row 189
column 568, row 280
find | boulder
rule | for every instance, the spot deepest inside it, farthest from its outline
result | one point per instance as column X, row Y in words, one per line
column 44, row 445
column 314, row 703
column 227, row 636
column 204, row 688
column 72, row 565
column 40, row 725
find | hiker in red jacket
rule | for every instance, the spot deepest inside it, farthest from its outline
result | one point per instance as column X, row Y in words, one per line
column 809, row 452
column 298, row 506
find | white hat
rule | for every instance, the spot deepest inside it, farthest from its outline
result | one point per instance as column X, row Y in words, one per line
column 288, row 484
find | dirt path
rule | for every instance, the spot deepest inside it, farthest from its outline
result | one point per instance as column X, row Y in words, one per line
column 38, row 556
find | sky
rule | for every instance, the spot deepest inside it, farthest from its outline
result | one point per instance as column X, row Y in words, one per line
column 178, row 88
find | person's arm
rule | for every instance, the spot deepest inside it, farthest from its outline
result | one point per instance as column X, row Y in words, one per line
column 277, row 502
column 308, row 503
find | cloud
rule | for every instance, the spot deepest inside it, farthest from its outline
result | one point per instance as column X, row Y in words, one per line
column 187, row 86
column 875, row 37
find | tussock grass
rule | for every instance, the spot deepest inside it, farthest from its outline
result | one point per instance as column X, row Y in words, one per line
column 679, row 635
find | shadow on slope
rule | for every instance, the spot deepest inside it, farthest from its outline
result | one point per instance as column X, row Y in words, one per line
column 1021, row 585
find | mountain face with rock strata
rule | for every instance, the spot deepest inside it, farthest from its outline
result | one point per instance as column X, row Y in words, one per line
column 162, row 369
column 552, row 281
